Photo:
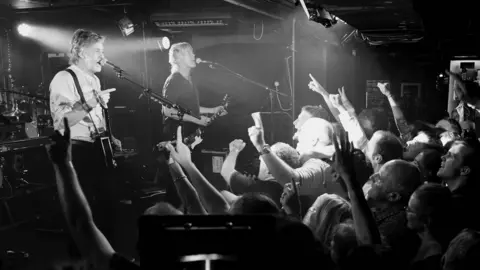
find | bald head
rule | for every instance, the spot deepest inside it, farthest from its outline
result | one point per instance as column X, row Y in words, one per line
column 400, row 176
column 315, row 132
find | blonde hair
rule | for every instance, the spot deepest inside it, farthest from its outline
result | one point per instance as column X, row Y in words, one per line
column 80, row 40
column 175, row 50
column 328, row 211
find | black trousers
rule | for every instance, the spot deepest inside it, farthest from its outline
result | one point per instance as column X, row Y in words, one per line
column 97, row 184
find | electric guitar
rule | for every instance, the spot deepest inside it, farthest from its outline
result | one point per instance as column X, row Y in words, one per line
column 195, row 138
column 106, row 139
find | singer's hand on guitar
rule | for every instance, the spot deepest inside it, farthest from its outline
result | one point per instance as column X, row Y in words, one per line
column 204, row 121
column 117, row 143
column 220, row 110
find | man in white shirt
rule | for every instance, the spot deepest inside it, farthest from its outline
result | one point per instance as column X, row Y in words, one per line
column 86, row 120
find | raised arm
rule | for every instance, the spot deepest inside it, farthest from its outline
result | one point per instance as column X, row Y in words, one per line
column 210, row 197
column 365, row 225
column 402, row 125
column 187, row 192
column 91, row 242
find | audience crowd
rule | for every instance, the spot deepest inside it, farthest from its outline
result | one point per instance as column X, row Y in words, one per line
column 353, row 194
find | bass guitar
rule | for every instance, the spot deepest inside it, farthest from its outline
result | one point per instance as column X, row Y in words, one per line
column 105, row 140
column 192, row 140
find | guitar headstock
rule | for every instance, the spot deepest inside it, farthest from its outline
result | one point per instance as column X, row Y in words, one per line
column 226, row 101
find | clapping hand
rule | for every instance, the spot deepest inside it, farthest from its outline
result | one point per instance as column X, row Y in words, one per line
column 60, row 150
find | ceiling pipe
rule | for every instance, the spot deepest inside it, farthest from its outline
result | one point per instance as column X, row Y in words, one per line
column 53, row 8
column 254, row 9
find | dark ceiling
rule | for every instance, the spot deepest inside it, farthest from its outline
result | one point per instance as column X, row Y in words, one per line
column 449, row 28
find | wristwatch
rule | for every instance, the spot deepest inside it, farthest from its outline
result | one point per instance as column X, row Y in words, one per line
column 265, row 150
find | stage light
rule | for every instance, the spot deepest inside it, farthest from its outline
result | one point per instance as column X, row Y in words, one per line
column 24, row 29
column 126, row 26
column 318, row 13
column 163, row 43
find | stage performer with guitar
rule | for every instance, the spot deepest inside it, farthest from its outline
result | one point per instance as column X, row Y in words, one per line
column 75, row 93
column 180, row 89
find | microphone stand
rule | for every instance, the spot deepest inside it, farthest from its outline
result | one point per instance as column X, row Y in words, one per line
column 147, row 92
column 264, row 87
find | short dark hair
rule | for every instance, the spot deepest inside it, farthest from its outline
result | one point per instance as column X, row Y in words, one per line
column 473, row 156
column 388, row 146
column 377, row 117
column 436, row 201
column 316, row 111
column 254, row 204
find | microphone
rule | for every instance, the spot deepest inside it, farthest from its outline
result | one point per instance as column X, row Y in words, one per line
column 115, row 67
column 199, row 60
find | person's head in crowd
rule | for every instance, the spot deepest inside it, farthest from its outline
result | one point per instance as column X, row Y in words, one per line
column 326, row 212
column 162, row 209
column 383, row 147
column 392, row 185
column 463, row 253
column 344, row 240
column 428, row 161
column 459, row 167
column 429, row 214
column 295, row 247
column 448, row 130
column 269, row 188
column 286, row 153
column 315, row 139
column 373, row 120
column 254, row 204
column 306, row 113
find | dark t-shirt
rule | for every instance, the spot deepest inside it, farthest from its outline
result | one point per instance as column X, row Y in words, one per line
column 183, row 93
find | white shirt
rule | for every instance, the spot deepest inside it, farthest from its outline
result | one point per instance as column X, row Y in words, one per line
column 63, row 95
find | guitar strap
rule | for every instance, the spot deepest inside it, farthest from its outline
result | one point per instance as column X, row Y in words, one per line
column 80, row 93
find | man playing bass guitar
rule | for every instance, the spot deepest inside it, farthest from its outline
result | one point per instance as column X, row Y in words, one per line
column 180, row 90
column 75, row 94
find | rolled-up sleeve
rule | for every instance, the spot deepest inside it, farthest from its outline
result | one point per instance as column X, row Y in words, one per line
column 62, row 97
column 355, row 131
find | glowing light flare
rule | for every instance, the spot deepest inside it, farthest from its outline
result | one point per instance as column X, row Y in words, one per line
column 163, row 43
column 24, row 29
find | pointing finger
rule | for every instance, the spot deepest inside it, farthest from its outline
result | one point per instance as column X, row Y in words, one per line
column 179, row 135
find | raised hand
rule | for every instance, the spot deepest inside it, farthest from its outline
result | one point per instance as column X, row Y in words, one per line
column 237, row 145
column 346, row 103
column 315, row 86
column 256, row 137
column 180, row 153
column 335, row 100
column 60, row 151
column 383, row 88
column 343, row 162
